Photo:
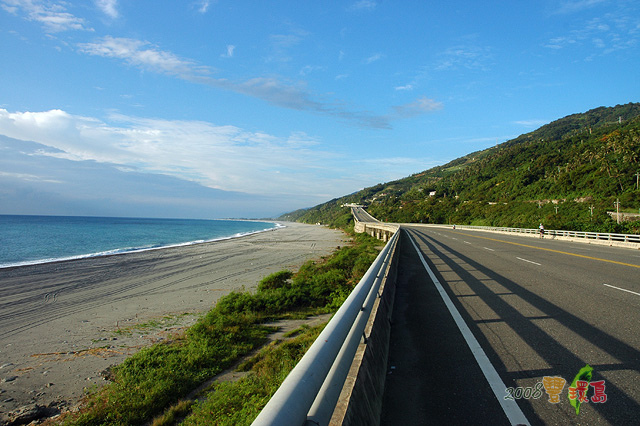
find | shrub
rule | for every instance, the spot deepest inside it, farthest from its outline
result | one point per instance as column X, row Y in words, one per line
column 276, row 280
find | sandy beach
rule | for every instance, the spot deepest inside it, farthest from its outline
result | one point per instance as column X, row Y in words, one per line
column 62, row 324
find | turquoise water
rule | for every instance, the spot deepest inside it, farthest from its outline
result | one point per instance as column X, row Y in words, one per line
column 28, row 240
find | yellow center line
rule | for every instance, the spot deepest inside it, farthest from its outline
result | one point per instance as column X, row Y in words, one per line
column 551, row 250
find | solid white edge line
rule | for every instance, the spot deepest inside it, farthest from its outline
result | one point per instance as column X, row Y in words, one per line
column 525, row 260
column 622, row 289
column 510, row 407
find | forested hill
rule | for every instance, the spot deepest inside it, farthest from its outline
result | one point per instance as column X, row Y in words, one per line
column 567, row 175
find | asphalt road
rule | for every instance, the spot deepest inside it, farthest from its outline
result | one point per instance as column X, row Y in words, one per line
column 537, row 307
column 362, row 215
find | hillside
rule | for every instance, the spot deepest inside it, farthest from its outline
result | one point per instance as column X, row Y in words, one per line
column 566, row 174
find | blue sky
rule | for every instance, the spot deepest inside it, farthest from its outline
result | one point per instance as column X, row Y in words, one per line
column 250, row 109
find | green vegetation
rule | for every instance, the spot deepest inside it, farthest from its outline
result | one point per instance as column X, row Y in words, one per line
column 164, row 322
column 238, row 403
column 159, row 377
column 567, row 175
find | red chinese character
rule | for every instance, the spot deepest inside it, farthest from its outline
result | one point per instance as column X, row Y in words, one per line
column 582, row 386
column 598, row 389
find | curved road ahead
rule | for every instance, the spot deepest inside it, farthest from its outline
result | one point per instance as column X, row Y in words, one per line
column 362, row 215
column 537, row 307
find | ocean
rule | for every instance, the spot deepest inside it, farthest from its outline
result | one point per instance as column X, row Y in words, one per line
column 27, row 240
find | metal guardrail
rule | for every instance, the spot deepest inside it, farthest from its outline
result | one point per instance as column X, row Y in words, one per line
column 312, row 388
column 599, row 236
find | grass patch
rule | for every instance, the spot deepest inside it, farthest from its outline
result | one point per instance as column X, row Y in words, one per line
column 158, row 377
column 239, row 403
column 152, row 324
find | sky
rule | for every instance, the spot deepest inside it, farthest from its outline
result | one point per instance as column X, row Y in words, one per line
column 232, row 108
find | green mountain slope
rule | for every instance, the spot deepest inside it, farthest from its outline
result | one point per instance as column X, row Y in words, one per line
column 567, row 175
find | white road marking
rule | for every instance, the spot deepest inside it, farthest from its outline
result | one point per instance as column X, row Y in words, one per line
column 622, row 289
column 487, row 248
column 530, row 261
column 510, row 407
column 466, row 242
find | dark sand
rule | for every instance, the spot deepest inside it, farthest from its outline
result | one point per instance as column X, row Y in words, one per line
column 61, row 324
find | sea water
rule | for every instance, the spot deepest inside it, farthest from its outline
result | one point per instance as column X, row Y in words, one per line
column 26, row 240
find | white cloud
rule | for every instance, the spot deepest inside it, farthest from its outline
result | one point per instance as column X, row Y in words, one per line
column 143, row 55
column 363, row 5
column 616, row 30
column 405, row 87
column 531, row 123
column 468, row 56
column 108, row 7
column 28, row 177
column 229, row 53
column 222, row 157
column 52, row 15
column 373, row 58
column 419, row 106
column 203, row 5
column 578, row 5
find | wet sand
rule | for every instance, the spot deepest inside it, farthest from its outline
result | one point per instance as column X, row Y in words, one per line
column 62, row 324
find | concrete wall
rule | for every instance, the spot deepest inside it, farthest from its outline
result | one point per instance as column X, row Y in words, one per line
column 360, row 402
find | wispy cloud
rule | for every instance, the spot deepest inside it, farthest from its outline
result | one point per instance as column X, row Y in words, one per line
column 280, row 45
column 203, row 5
column 578, row 5
column 405, row 87
column 29, row 177
column 308, row 69
column 531, row 123
column 610, row 32
column 108, row 7
column 368, row 5
column 373, row 58
column 420, row 106
column 145, row 56
column 465, row 56
column 230, row 50
column 53, row 16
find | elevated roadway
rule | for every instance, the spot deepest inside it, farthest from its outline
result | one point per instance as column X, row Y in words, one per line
column 533, row 307
column 362, row 215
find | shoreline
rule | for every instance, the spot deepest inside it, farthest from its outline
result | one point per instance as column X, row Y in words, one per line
column 128, row 250
column 63, row 323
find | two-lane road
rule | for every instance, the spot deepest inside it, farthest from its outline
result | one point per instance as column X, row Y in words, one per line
column 362, row 215
column 537, row 307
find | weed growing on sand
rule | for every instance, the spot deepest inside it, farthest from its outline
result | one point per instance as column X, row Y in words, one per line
column 159, row 376
column 153, row 324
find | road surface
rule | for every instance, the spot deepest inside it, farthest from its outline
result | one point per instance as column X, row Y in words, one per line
column 536, row 307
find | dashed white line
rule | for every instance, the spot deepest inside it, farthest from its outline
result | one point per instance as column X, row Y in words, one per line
column 622, row 289
column 530, row 261
column 487, row 248
column 466, row 242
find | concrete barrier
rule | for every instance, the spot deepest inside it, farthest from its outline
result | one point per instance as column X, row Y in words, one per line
column 360, row 401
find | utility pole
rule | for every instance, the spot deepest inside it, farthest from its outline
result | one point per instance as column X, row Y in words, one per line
column 637, row 175
column 556, row 207
column 591, row 209
column 617, row 204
